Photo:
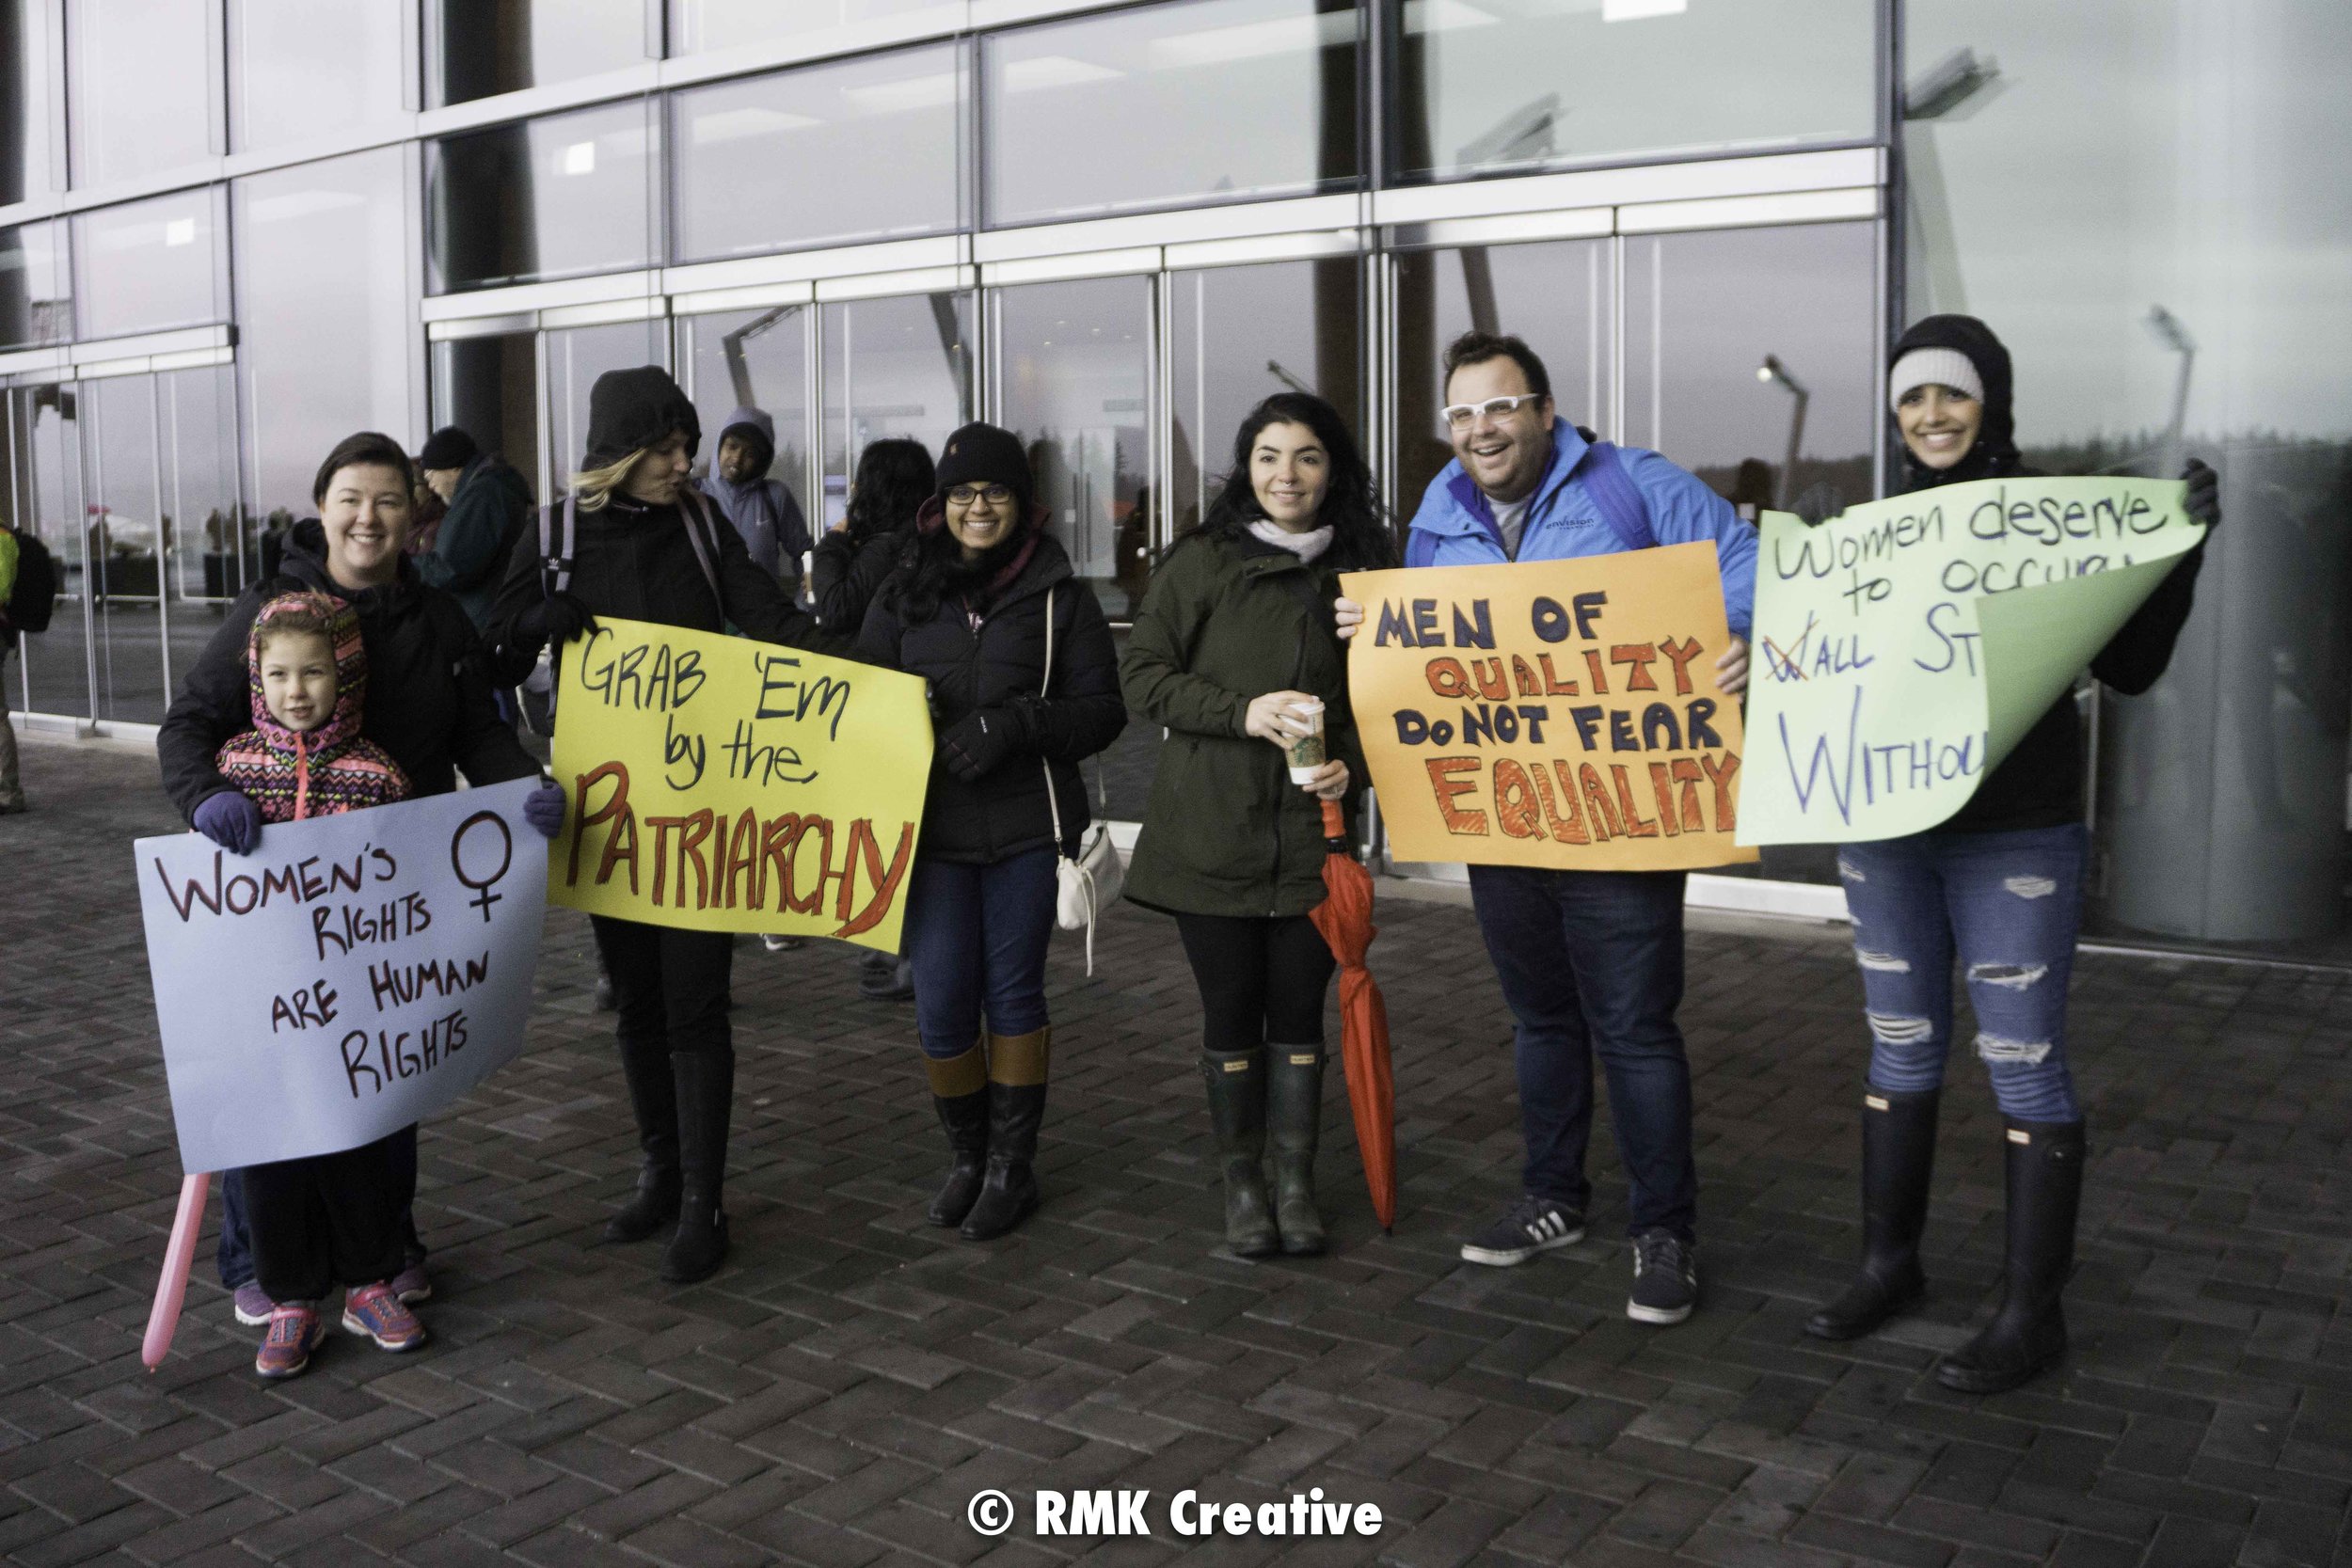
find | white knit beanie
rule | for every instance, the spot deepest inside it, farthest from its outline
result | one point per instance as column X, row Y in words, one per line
column 1940, row 367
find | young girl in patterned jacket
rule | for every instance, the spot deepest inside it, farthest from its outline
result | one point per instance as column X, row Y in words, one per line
column 327, row 1219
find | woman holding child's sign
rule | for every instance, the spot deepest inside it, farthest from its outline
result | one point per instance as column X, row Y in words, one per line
column 428, row 713
column 633, row 540
column 2000, row 881
column 1025, row 685
column 1234, row 651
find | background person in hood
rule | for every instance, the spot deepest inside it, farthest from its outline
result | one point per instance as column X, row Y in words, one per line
column 487, row 503
column 761, row 509
column 2000, row 885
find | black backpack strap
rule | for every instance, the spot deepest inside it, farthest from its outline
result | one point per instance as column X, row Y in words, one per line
column 697, row 512
column 558, row 532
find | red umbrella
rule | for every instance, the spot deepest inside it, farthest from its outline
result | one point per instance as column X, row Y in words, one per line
column 1344, row 918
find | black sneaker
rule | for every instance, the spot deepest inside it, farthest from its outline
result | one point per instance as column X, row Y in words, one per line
column 1534, row 1225
column 1665, row 1278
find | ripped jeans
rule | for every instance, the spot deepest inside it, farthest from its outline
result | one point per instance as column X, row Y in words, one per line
column 2012, row 903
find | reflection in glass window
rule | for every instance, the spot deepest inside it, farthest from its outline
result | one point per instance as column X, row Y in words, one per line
column 753, row 359
column 475, row 48
column 2173, row 285
column 299, row 69
column 41, row 493
column 831, row 155
column 146, row 93
column 552, row 197
column 28, row 99
column 488, row 386
column 699, row 24
column 1209, row 100
column 1486, row 86
column 893, row 367
column 146, row 266
column 1560, row 296
column 1240, row 334
column 1072, row 380
column 1723, row 334
column 321, row 350
column 35, row 291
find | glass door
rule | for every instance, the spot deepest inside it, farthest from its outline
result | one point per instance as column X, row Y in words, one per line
column 893, row 367
column 127, row 531
column 752, row 359
column 488, row 386
column 575, row 357
column 43, row 496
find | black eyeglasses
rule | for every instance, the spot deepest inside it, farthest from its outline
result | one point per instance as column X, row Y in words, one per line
column 964, row 495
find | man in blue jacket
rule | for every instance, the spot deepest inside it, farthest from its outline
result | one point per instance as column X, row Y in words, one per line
column 1589, row 961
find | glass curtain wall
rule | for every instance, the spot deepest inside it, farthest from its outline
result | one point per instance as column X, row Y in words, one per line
column 2174, row 284
column 43, row 496
column 150, row 266
column 1264, row 92
column 1491, row 86
column 36, row 286
column 835, row 155
column 893, row 367
column 699, row 24
column 322, row 351
column 304, row 69
column 146, row 87
column 477, row 48
column 487, row 385
column 562, row 196
column 32, row 153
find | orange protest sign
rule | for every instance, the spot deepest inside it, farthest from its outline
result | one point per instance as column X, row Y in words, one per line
column 1560, row 714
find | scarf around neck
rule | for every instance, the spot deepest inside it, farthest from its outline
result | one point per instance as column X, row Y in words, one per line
column 1307, row 545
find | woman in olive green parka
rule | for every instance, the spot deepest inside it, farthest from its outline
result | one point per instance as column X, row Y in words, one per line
column 1233, row 638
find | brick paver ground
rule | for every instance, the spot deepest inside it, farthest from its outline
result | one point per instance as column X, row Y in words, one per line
column 839, row 1394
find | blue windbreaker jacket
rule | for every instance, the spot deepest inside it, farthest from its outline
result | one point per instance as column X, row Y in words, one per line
column 1455, row 527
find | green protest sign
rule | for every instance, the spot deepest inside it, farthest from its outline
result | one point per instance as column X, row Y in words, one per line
column 1903, row 648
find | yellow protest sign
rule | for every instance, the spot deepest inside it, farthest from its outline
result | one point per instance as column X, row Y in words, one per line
column 723, row 785
column 1560, row 714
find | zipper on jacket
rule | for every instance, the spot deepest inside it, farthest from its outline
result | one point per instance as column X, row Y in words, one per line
column 302, row 776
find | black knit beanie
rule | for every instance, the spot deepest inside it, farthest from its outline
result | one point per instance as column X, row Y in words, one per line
column 631, row 410
column 448, row 448
column 983, row 454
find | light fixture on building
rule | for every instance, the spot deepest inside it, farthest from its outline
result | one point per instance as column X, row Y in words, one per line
column 1768, row 372
column 1634, row 10
column 579, row 158
column 177, row 231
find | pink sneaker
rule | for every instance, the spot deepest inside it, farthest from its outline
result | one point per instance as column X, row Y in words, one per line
column 294, row 1332
column 375, row 1311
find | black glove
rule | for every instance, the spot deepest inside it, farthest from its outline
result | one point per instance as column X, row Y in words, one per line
column 977, row 744
column 557, row 619
column 2203, row 500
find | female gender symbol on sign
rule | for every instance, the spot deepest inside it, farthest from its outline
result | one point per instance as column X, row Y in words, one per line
column 483, row 896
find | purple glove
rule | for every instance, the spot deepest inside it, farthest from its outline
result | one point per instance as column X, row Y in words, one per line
column 542, row 807
column 229, row 820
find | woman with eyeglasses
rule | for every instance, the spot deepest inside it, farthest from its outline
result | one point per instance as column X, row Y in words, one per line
column 1234, row 651
column 980, row 597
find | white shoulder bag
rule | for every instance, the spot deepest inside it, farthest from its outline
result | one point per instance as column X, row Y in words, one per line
column 1088, row 881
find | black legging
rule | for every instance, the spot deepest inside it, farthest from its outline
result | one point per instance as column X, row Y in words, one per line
column 329, row 1219
column 1261, row 979
column 669, row 986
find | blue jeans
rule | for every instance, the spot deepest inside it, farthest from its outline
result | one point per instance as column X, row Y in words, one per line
column 2011, row 903
column 977, row 936
column 1592, row 961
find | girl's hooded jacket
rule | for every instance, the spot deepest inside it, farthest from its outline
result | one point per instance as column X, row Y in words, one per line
column 292, row 774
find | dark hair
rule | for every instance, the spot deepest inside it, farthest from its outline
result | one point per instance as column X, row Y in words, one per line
column 1476, row 348
column 1360, row 539
column 369, row 448
column 894, row 479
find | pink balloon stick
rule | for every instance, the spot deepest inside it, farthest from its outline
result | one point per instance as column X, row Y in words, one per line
column 172, row 1288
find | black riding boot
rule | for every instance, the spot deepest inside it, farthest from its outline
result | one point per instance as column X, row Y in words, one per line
column 959, row 1090
column 1293, row 1098
column 1016, row 1106
column 706, row 1094
column 1897, row 1154
column 2027, row 1334
column 653, row 1096
column 1237, row 1115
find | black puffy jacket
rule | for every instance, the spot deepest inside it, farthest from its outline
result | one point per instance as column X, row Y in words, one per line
column 845, row 572
column 634, row 560
column 994, row 664
column 428, row 687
